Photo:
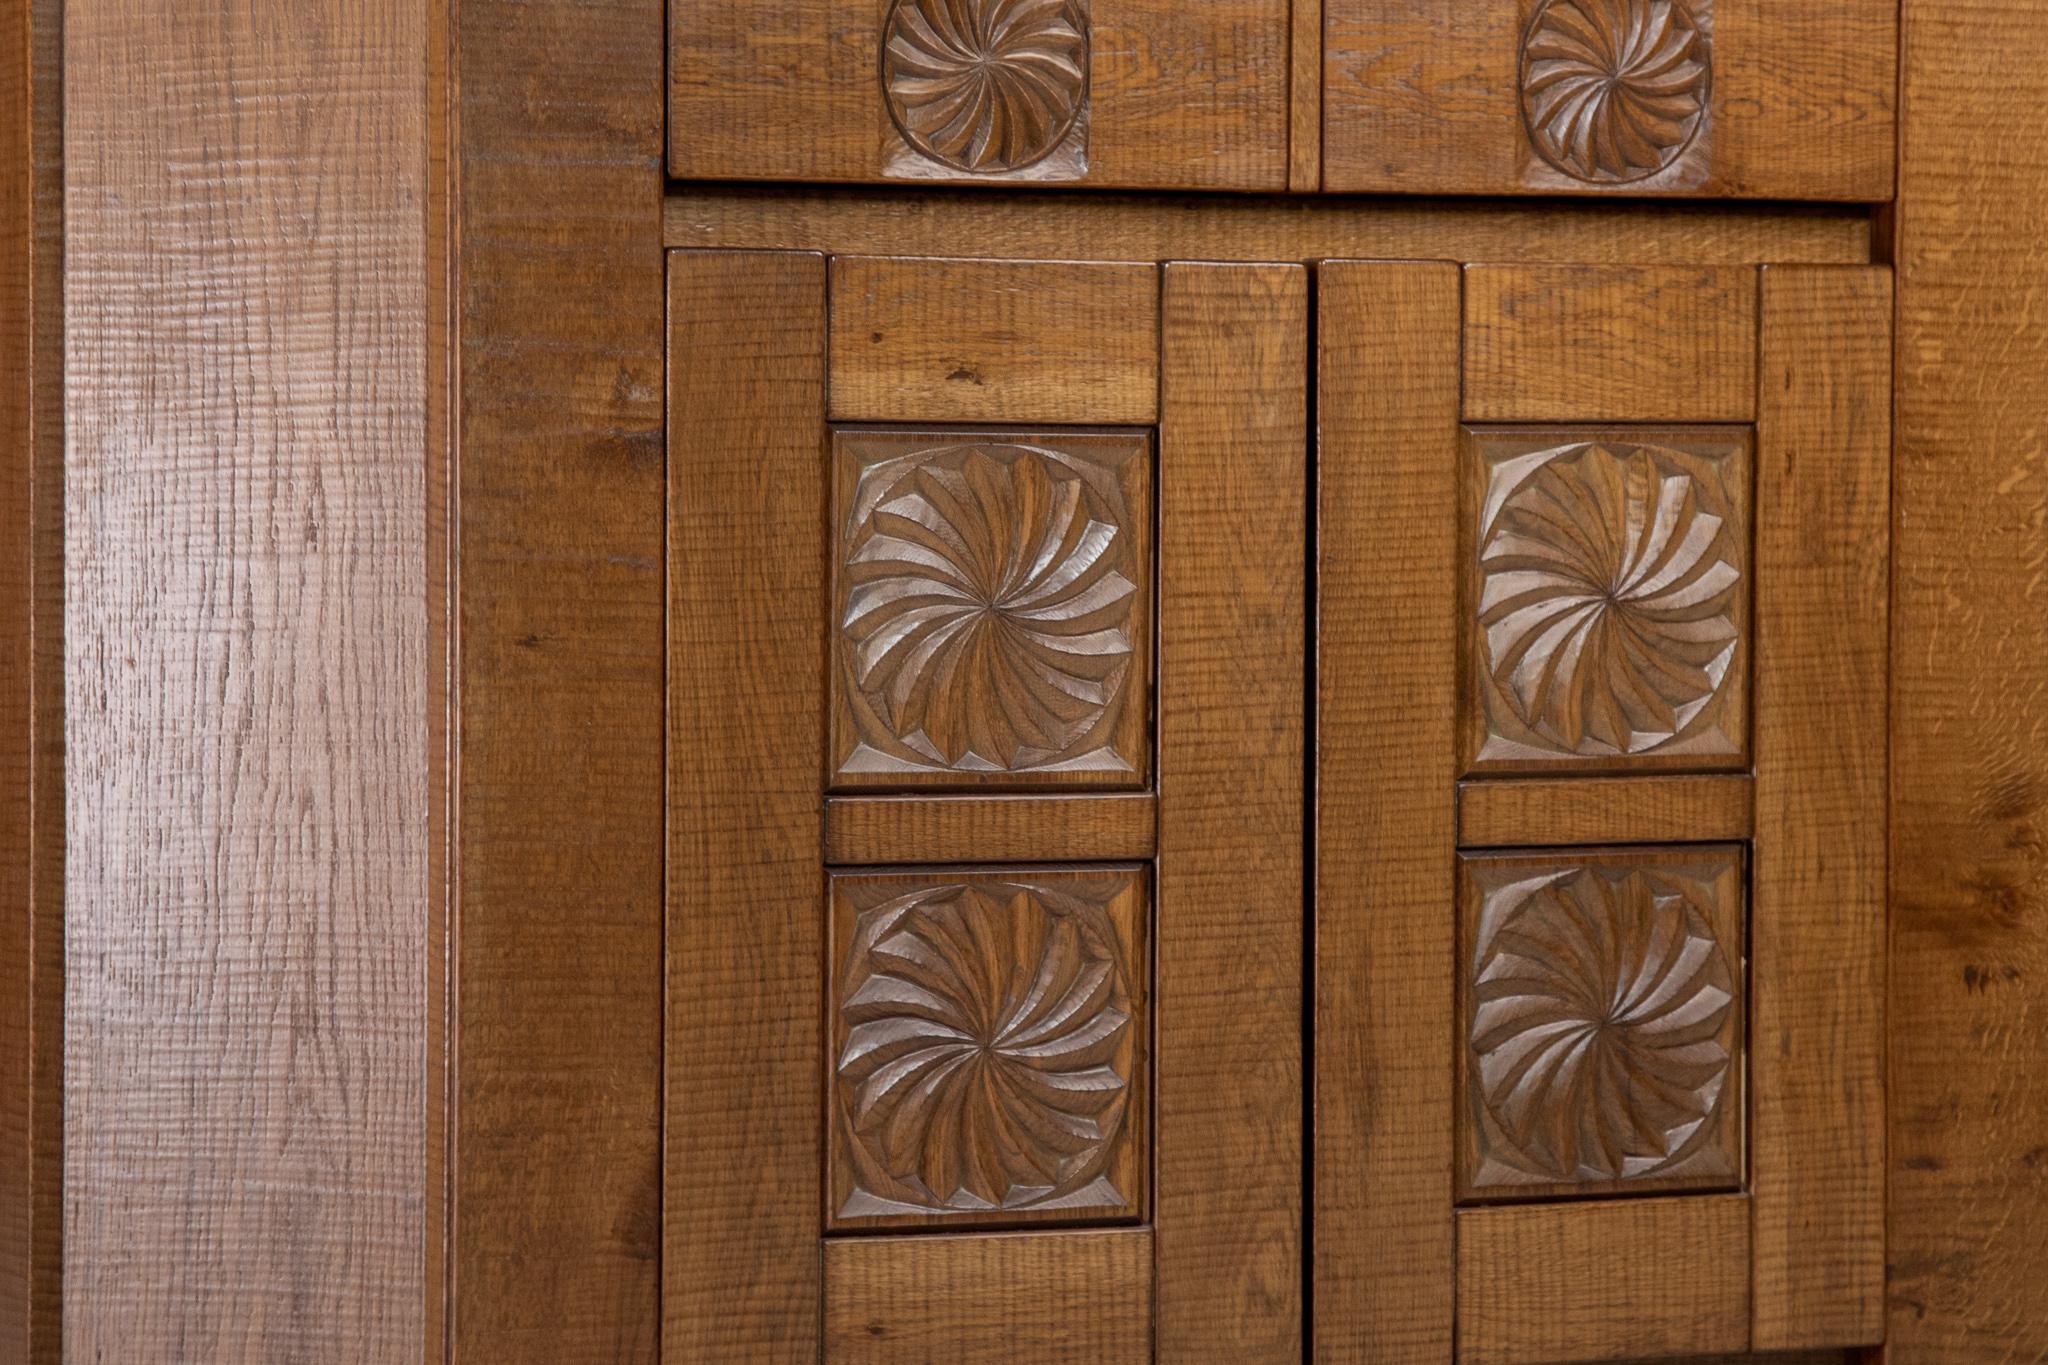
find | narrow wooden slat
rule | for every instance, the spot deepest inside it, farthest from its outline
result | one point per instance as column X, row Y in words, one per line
column 1574, row 343
column 1602, row 810
column 1032, row 1298
column 929, row 340
column 1968, row 1008
column 1823, row 523
column 958, row 829
column 1385, row 769
column 1305, row 98
column 556, row 1146
column 1233, row 494
column 1609, row 1280
column 745, row 910
column 245, row 721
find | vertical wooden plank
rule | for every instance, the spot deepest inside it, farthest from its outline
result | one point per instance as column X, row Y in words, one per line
column 1305, row 99
column 1969, row 793
column 1388, row 348
column 1233, row 515
column 246, row 689
column 747, row 613
column 1817, row 1060
column 556, row 1152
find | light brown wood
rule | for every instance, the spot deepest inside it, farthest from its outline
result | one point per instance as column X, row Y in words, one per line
column 1603, row 810
column 1060, row 1298
column 1052, row 686
column 1968, row 1012
column 1023, row 1101
column 1233, row 491
column 1385, row 954
column 1823, row 522
column 1035, row 225
column 1795, row 101
column 746, row 562
column 1612, row 1280
column 928, row 340
column 1010, row 828
column 1305, row 97
column 1572, row 343
column 797, row 91
column 31, row 684
column 560, row 492
column 246, row 685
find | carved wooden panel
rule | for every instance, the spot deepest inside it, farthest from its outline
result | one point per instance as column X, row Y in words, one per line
column 1607, row 599
column 1616, row 92
column 1602, row 999
column 988, row 1047
column 985, row 88
column 992, row 608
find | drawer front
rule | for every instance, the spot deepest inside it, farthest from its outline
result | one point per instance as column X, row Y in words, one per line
column 1126, row 93
column 1769, row 99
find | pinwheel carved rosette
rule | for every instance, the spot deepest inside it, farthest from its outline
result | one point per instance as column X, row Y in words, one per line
column 986, row 87
column 993, row 613
column 1615, row 92
column 988, row 1058
column 1603, row 1015
column 1610, row 607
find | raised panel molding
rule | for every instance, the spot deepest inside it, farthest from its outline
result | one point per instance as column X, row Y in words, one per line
column 1617, row 92
column 988, row 1060
column 991, row 88
column 1602, row 1007
column 1609, row 594
column 992, row 609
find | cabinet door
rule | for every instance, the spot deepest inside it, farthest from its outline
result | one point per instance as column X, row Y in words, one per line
column 1150, row 93
column 1600, row 811
column 1772, row 99
column 986, row 830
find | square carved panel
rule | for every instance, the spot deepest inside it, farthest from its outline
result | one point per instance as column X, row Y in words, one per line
column 989, row 1047
column 989, row 89
column 992, row 609
column 1606, row 618
column 1602, row 1006
column 1616, row 94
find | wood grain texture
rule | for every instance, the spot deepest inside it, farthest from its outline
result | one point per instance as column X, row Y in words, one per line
column 1031, row 225
column 1010, row 828
column 991, row 608
column 560, row 497
column 1615, row 1280
column 990, row 1047
column 1233, row 515
column 1036, row 1298
column 31, row 683
column 745, row 918
column 1572, row 343
column 791, row 91
column 31, row 686
column 1427, row 96
column 246, row 682
column 1968, row 1011
column 1305, row 97
column 1601, row 1004
column 1602, row 810
column 1385, row 946
column 1823, row 526
column 928, row 340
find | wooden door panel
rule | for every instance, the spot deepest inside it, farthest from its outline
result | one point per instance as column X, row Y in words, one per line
column 1784, row 99
column 1668, row 832
column 1096, row 92
column 926, row 976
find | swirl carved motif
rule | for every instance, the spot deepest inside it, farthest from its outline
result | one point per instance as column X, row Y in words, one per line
column 985, row 85
column 1614, row 90
column 1608, row 597
column 989, row 609
column 988, row 1052
column 1600, row 1027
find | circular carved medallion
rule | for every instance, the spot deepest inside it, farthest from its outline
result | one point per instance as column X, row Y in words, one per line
column 985, row 85
column 1613, row 90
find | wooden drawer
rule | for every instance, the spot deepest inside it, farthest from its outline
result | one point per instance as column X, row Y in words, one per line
column 1771, row 99
column 1133, row 93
